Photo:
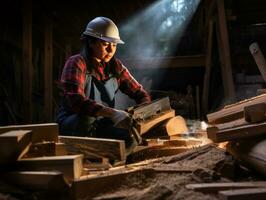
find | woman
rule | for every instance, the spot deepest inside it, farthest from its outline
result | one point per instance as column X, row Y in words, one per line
column 90, row 80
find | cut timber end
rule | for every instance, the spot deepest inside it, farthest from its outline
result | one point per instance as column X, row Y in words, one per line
column 70, row 165
column 14, row 144
column 176, row 125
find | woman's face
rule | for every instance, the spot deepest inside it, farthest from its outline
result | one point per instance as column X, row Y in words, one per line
column 103, row 51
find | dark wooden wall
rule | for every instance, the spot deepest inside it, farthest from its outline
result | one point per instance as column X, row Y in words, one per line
column 37, row 36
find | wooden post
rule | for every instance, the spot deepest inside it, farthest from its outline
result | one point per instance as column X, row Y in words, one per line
column 259, row 58
column 225, row 57
column 27, row 60
column 48, row 70
column 205, row 92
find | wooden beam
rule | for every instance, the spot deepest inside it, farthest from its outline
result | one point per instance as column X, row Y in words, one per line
column 259, row 58
column 88, row 187
column 223, row 40
column 48, row 70
column 70, row 165
column 108, row 148
column 13, row 144
column 245, row 131
column 165, row 62
column 216, row 187
column 52, row 181
column 27, row 60
column 208, row 63
column 234, row 111
column 243, row 194
column 40, row 132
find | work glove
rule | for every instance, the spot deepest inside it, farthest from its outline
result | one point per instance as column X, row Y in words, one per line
column 121, row 119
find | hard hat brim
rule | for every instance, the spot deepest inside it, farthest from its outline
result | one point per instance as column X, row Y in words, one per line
column 107, row 39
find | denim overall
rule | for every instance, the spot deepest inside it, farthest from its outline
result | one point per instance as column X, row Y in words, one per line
column 82, row 125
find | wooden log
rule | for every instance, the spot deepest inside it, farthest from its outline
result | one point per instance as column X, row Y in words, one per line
column 40, row 132
column 251, row 152
column 234, row 111
column 216, row 187
column 243, row 194
column 255, row 113
column 145, row 126
column 172, row 126
column 37, row 180
column 244, row 131
column 70, row 165
column 108, row 148
column 13, row 145
column 259, row 58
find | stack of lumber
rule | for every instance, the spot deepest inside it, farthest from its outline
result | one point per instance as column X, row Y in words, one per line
column 35, row 157
column 243, row 125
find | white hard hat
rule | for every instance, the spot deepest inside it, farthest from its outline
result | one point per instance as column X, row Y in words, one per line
column 104, row 29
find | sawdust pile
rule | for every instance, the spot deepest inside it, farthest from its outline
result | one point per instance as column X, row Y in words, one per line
column 166, row 178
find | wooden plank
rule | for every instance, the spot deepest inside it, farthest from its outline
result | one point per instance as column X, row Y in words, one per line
column 144, row 126
column 108, row 148
column 215, row 187
column 37, row 180
column 244, row 131
column 40, row 132
column 243, row 194
column 255, row 113
column 259, row 58
column 70, row 165
column 88, row 187
column 13, row 144
column 234, row 111
column 27, row 71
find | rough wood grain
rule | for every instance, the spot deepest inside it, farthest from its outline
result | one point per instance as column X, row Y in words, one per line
column 108, row 148
column 255, row 113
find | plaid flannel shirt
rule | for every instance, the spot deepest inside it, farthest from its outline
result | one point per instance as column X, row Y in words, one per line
column 73, row 80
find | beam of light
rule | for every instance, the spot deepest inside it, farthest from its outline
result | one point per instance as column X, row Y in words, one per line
column 156, row 30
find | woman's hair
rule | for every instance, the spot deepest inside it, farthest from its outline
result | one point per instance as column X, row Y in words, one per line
column 85, row 50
